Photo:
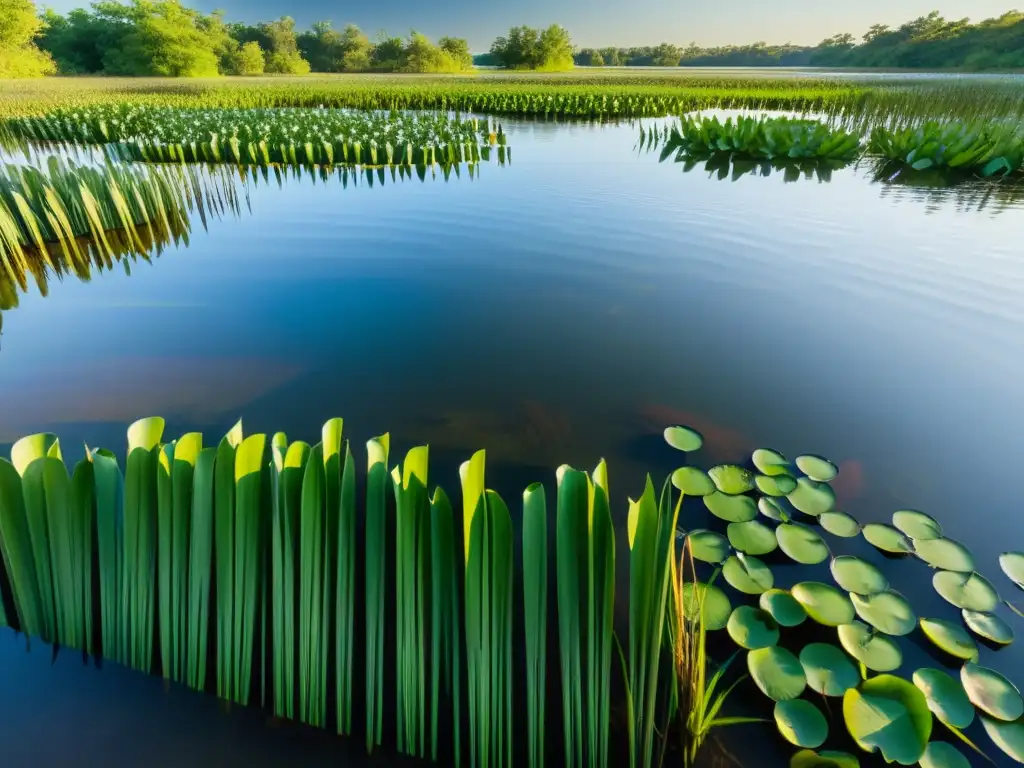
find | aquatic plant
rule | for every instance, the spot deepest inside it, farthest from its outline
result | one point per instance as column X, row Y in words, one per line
column 274, row 535
column 985, row 149
column 755, row 138
column 265, row 136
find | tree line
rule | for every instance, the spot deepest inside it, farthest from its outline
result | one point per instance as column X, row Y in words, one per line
column 927, row 42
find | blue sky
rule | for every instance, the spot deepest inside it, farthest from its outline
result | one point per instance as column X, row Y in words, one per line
column 607, row 22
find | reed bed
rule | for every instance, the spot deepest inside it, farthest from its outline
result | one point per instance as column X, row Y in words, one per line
column 265, row 136
column 256, row 542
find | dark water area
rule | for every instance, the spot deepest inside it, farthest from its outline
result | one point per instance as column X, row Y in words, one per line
column 561, row 309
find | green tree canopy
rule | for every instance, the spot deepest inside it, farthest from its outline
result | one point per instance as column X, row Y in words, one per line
column 19, row 27
column 529, row 48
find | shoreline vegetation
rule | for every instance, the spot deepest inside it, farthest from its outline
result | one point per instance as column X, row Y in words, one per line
column 167, row 38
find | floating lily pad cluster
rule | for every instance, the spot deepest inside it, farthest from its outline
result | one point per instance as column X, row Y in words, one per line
column 776, row 504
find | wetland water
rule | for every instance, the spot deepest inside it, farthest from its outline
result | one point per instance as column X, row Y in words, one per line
column 563, row 308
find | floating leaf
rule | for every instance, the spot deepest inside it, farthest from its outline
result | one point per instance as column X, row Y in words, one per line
column 874, row 651
column 817, row 468
column 812, row 498
column 890, row 715
column 1009, row 737
column 946, row 697
column 1012, row 564
column 966, row 590
column 951, row 638
column 945, row 554
column 771, row 509
column 752, row 537
column 824, row 603
column 783, row 607
column 941, row 754
column 770, row 462
column 752, row 628
column 887, row 538
column 839, row 524
column 802, row 544
column 992, row 693
column 732, row 479
column 858, row 576
column 777, row 672
column 684, row 438
column 693, row 481
column 747, row 574
column 717, row 607
column 801, row 723
column 808, row 758
column 916, row 525
column 888, row 612
column 708, row 546
column 829, row 671
column 775, row 485
column 989, row 626
column 732, row 509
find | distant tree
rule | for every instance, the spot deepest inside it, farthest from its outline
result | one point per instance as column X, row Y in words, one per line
column 588, row 57
column 529, row 48
column 283, row 56
column 323, row 47
column 611, row 57
column 19, row 27
column 388, row 53
column 247, row 59
column 458, row 50
column 666, row 55
column 358, row 51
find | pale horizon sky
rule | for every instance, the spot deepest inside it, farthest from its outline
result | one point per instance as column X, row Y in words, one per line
column 598, row 23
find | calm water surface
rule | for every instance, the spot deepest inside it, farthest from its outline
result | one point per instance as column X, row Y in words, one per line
column 561, row 309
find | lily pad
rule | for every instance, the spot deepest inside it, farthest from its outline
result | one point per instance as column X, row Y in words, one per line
column 916, row 525
column 775, row 485
column 783, row 607
column 752, row 628
column 890, row 715
column 887, row 539
column 946, row 697
column 771, row 509
column 951, row 638
column 824, row 603
column 888, row 612
column 747, row 574
column 828, row 670
column 684, row 438
column 693, row 481
column 858, row 576
column 1012, row 564
column 732, row 509
column 1009, row 737
column 752, row 537
column 808, row 758
column 876, row 652
column 988, row 625
column 716, row 604
column 802, row 544
column 777, row 672
column 812, row 498
column 732, row 479
column 801, row 723
column 992, row 693
column 839, row 524
column 770, row 462
column 817, row 468
column 942, row 754
column 708, row 546
column 966, row 590
column 945, row 554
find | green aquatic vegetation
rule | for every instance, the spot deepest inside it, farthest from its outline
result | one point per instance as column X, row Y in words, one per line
column 876, row 652
column 802, row 544
column 985, row 149
column 829, row 671
column 916, row 525
column 989, row 626
column 783, row 607
column 946, row 697
column 890, row 715
column 265, row 136
column 992, row 693
column 777, row 672
column 535, row 601
column 377, row 481
column 752, row 628
column 801, row 723
column 950, row 637
column 1012, row 564
column 760, row 137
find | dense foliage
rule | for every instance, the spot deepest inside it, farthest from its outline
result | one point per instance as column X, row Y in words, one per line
column 165, row 38
column 19, row 56
column 927, row 42
column 548, row 50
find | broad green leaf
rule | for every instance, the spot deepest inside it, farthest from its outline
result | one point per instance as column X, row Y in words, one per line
column 777, row 672
column 890, row 715
column 946, row 697
column 801, row 723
